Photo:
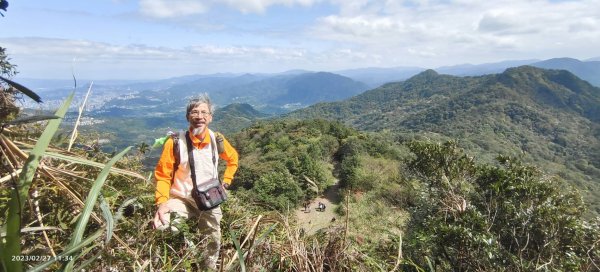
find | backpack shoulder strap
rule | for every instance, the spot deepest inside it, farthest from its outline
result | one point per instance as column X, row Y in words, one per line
column 175, row 138
column 190, row 150
column 220, row 146
column 215, row 137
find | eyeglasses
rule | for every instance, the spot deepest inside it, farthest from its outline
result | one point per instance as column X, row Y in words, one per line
column 200, row 113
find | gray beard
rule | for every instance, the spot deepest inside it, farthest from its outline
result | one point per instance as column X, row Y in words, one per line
column 196, row 131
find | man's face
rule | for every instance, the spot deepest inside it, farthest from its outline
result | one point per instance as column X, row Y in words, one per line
column 199, row 117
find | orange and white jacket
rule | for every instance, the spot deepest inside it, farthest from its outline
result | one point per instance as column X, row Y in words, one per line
column 205, row 169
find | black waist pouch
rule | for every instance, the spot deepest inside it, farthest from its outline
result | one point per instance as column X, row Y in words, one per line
column 209, row 195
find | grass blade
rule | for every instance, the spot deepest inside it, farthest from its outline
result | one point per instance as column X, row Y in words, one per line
column 92, row 163
column 31, row 119
column 23, row 89
column 12, row 247
column 81, row 108
column 32, row 229
column 90, row 201
column 263, row 236
column 236, row 243
column 110, row 223
column 429, row 264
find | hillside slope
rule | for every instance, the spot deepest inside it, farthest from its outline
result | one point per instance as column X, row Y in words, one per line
column 549, row 117
column 235, row 117
column 278, row 90
column 587, row 70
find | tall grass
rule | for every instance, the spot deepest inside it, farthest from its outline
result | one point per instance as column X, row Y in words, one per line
column 12, row 246
column 81, row 108
column 89, row 206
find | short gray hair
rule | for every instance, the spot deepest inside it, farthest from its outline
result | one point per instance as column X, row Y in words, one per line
column 196, row 101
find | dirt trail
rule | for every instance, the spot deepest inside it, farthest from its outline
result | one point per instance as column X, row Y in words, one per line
column 313, row 220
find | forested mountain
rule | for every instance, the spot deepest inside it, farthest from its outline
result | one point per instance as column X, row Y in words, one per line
column 375, row 76
column 310, row 88
column 550, row 117
column 587, row 70
column 482, row 69
column 221, row 89
column 262, row 91
column 234, row 117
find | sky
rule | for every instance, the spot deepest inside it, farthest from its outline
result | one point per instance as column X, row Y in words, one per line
column 157, row 39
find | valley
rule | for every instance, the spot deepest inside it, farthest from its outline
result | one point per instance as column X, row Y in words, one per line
column 546, row 117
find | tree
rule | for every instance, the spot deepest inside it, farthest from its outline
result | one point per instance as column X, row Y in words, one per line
column 479, row 218
column 3, row 6
column 142, row 148
column 8, row 109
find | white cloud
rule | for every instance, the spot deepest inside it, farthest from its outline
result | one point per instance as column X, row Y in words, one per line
column 163, row 9
column 588, row 24
column 462, row 30
column 48, row 48
column 101, row 60
column 260, row 6
column 362, row 26
column 429, row 29
column 422, row 52
column 498, row 21
column 58, row 58
column 171, row 8
column 245, row 53
column 352, row 34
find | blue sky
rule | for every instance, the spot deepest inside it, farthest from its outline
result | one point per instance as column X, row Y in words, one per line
column 155, row 39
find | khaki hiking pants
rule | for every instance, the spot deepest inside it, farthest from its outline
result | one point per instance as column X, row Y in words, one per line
column 208, row 221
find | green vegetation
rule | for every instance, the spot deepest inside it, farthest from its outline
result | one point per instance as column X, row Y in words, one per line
column 545, row 117
column 454, row 213
column 290, row 161
column 482, row 217
column 432, row 204
column 12, row 245
column 235, row 117
column 8, row 109
column 310, row 88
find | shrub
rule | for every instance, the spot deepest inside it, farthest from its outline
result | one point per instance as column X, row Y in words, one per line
column 278, row 190
column 479, row 218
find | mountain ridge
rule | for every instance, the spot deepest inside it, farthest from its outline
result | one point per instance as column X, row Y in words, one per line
column 549, row 117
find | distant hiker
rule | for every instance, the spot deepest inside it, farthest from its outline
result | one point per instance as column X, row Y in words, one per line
column 175, row 174
column 307, row 206
column 321, row 207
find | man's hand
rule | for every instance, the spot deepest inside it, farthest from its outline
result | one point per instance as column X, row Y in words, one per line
column 162, row 216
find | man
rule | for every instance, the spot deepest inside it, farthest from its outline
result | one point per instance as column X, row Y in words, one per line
column 174, row 186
